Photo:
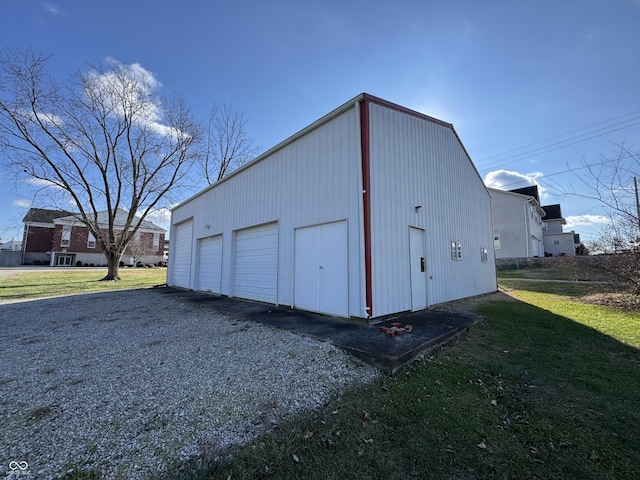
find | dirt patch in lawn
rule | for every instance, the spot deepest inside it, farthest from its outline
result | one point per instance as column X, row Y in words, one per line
column 624, row 301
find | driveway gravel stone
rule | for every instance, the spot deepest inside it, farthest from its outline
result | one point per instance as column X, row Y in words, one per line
column 127, row 383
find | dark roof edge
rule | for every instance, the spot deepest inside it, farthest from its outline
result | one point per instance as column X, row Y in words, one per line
column 43, row 215
column 301, row 133
column 408, row 111
column 326, row 118
column 414, row 113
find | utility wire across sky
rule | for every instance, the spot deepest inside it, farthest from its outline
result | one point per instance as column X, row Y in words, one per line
column 599, row 132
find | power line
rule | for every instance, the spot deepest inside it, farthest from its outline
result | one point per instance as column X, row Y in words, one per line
column 514, row 158
column 562, row 144
column 509, row 161
column 561, row 135
column 568, row 170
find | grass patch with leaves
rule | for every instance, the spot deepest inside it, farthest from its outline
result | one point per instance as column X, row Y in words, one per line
column 546, row 388
column 40, row 284
column 583, row 292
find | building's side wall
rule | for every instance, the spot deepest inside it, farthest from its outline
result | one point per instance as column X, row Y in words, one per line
column 36, row 243
column 517, row 223
column 553, row 226
column 10, row 258
column 313, row 180
column 415, row 162
column 77, row 241
column 559, row 245
column 509, row 223
column 536, row 245
column 86, row 255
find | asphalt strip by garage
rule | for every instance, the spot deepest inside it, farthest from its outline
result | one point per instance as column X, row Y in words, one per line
column 430, row 329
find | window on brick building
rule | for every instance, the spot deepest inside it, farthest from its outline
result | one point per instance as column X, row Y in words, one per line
column 66, row 236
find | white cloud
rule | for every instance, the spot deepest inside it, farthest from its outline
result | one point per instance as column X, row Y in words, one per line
column 112, row 86
column 582, row 220
column 39, row 182
column 510, row 180
column 148, row 112
column 22, row 202
column 51, row 8
column 145, row 77
column 48, row 118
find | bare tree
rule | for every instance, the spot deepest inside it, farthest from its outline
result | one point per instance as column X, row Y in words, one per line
column 103, row 142
column 228, row 145
column 612, row 183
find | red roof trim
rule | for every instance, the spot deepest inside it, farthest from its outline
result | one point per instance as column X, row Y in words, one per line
column 408, row 111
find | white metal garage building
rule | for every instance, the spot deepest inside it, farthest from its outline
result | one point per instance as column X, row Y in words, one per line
column 373, row 209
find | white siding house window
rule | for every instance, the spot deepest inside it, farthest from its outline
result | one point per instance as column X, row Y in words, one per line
column 496, row 242
column 91, row 241
column 156, row 242
column 556, row 242
column 66, row 236
column 484, row 255
column 544, row 225
column 456, row 250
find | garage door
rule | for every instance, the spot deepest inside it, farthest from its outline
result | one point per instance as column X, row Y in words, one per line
column 321, row 270
column 181, row 266
column 256, row 263
column 209, row 264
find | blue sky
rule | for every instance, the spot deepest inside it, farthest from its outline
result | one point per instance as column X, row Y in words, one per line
column 561, row 77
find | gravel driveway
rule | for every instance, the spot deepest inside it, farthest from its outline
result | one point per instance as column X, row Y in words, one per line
column 127, row 382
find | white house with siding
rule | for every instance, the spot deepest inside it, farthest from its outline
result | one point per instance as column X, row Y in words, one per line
column 557, row 242
column 373, row 209
column 517, row 223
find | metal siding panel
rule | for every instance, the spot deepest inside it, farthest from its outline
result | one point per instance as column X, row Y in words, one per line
column 321, row 268
column 418, row 276
column 181, row 273
column 314, row 180
column 333, row 271
column 256, row 263
column 209, row 263
column 415, row 162
column 307, row 260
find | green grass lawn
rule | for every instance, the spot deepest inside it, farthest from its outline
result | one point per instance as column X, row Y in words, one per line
column 69, row 281
column 546, row 388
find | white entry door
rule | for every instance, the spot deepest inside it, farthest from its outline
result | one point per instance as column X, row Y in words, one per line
column 209, row 264
column 418, row 269
column 321, row 269
column 181, row 264
column 256, row 263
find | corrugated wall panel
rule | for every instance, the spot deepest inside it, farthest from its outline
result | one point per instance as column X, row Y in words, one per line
column 182, row 253
column 414, row 163
column 313, row 180
column 256, row 263
column 209, row 264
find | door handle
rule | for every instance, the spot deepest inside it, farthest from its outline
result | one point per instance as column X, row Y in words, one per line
column 422, row 264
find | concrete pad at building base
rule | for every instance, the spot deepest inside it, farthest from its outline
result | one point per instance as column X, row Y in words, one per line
column 430, row 328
